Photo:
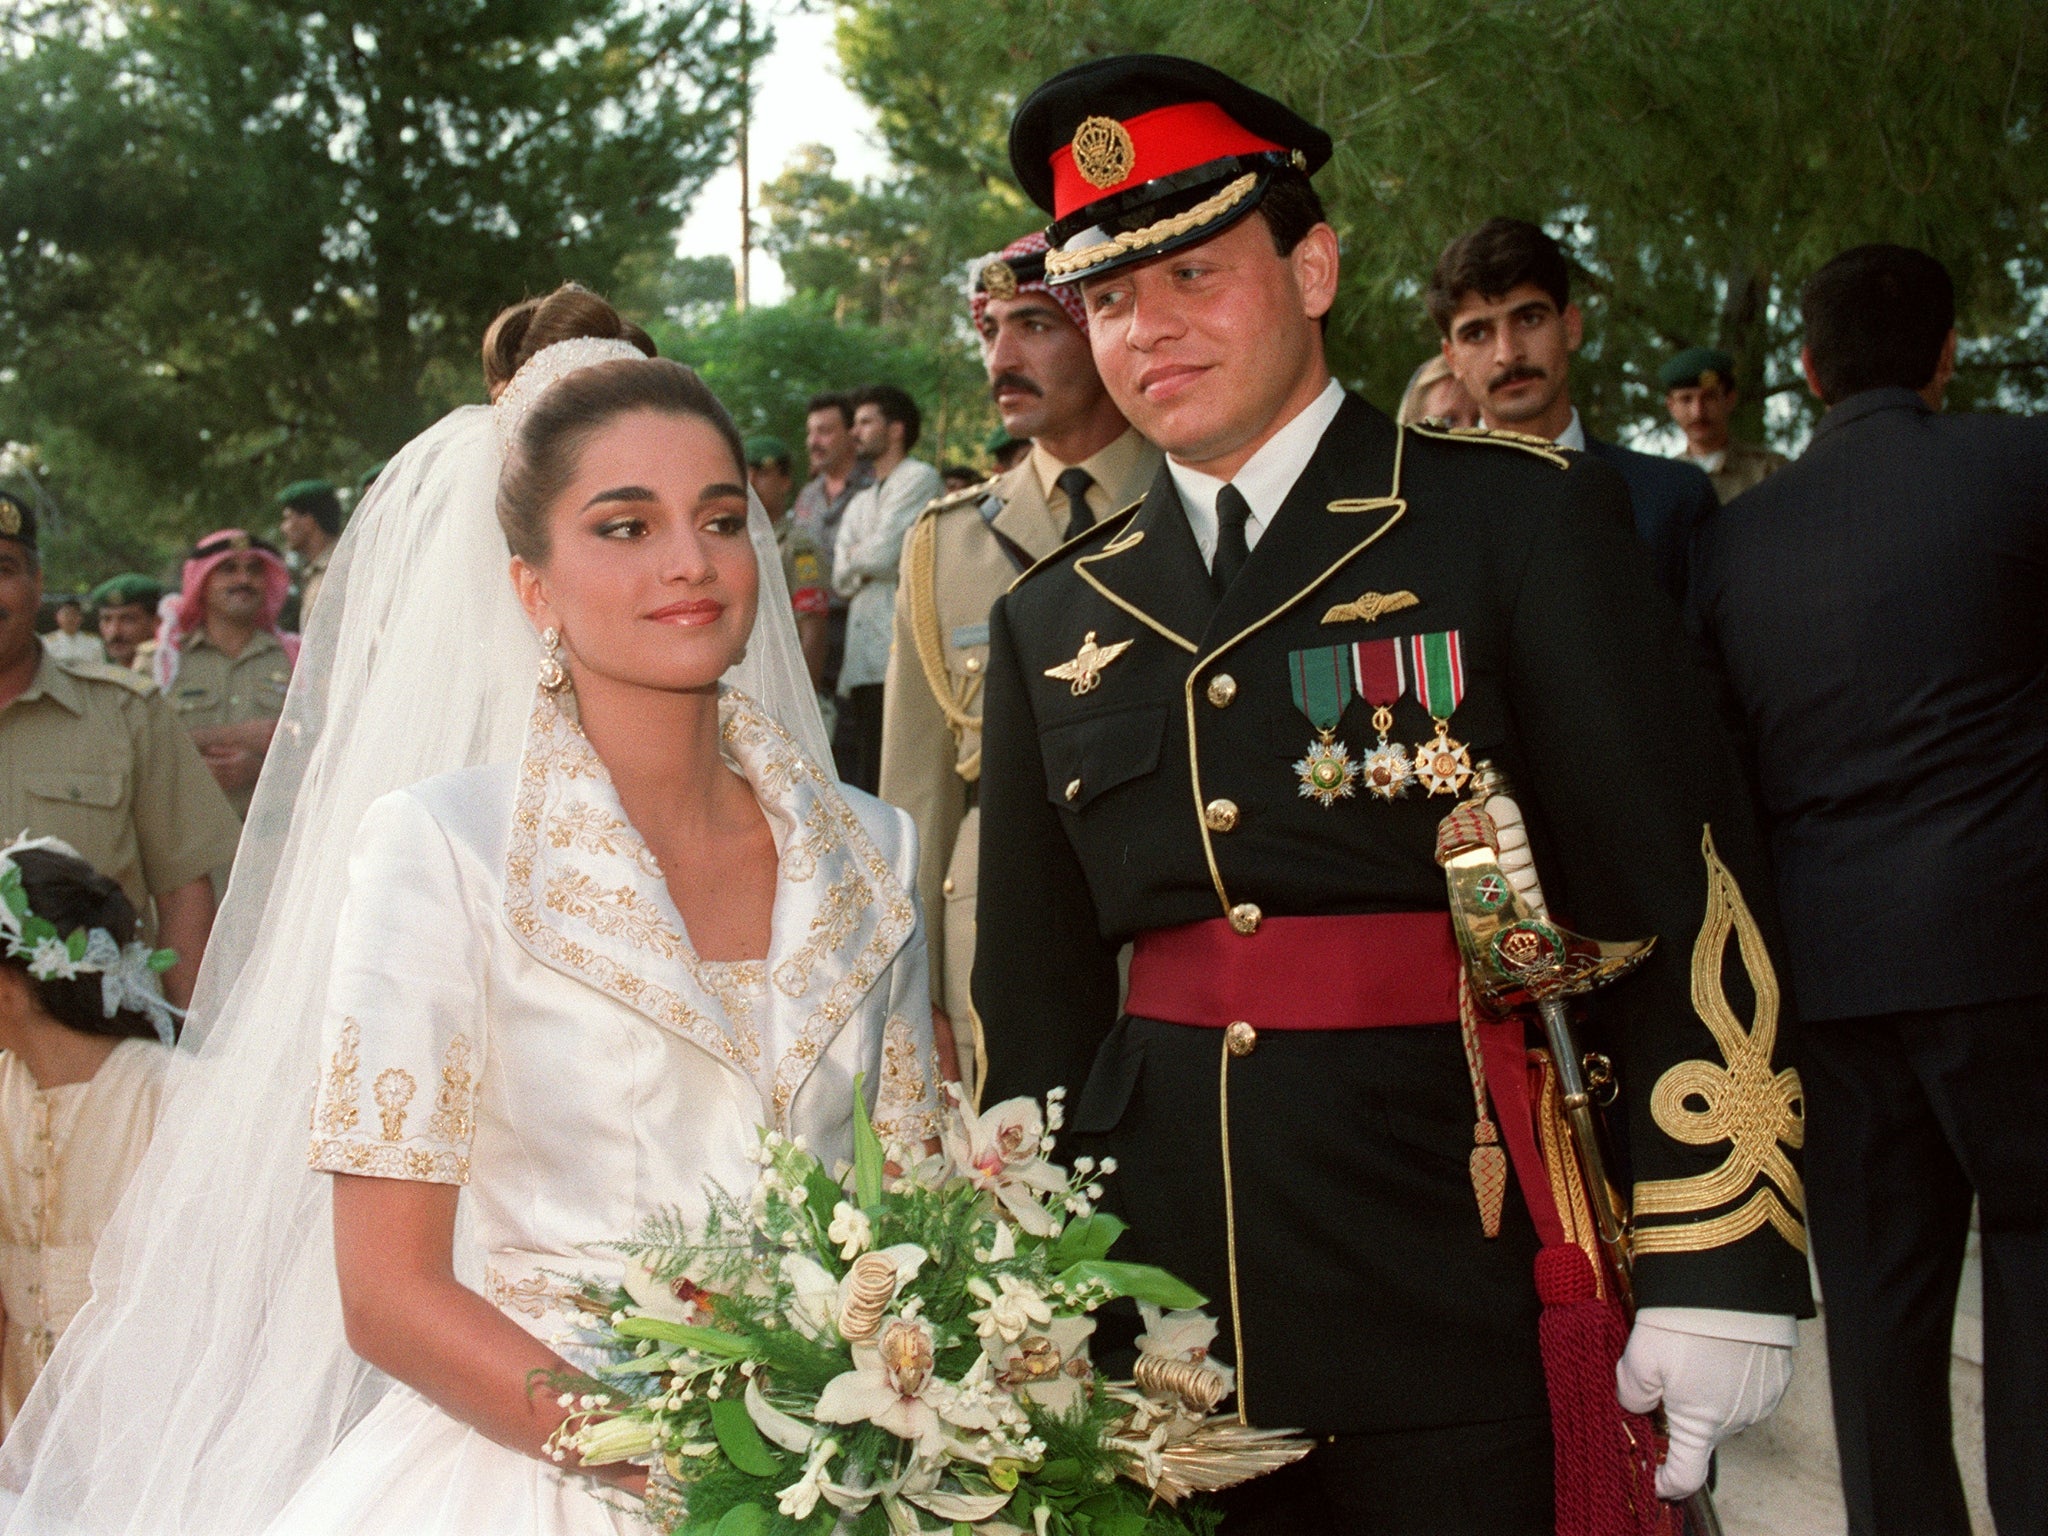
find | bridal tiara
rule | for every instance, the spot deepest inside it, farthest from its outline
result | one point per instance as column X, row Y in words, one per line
column 549, row 366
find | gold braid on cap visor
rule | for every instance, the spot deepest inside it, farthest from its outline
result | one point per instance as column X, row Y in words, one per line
column 1067, row 263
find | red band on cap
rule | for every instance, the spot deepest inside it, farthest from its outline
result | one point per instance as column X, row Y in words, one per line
column 1164, row 141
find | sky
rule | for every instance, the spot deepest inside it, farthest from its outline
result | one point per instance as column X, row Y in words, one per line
column 799, row 98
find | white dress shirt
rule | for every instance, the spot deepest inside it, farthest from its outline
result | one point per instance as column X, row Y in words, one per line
column 1266, row 477
column 1574, row 433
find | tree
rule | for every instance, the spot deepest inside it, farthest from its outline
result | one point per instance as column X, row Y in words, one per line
column 245, row 240
column 1698, row 158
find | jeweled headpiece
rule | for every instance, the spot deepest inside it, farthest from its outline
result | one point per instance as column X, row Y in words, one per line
column 548, row 367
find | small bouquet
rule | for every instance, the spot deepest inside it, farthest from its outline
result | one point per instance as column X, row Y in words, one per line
column 904, row 1353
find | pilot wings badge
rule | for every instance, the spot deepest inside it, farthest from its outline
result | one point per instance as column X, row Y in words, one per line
column 1085, row 670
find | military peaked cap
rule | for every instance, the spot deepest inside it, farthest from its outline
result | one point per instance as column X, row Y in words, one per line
column 120, row 591
column 17, row 520
column 1141, row 154
column 1697, row 366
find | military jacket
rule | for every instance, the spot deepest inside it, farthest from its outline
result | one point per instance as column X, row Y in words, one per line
column 93, row 755
column 959, row 557
column 212, row 688
column 1344, row 1250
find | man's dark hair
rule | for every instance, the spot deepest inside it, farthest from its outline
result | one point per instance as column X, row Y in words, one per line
column 1876, row 318
column 1291, row 208
column 895, row 405
column 324, row 507
column 1496, row 258
column 832, row 400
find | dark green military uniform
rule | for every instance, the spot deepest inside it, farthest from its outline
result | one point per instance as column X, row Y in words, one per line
column 1337, row 1234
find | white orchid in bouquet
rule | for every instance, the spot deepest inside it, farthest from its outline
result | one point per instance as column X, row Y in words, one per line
column 881, row 1354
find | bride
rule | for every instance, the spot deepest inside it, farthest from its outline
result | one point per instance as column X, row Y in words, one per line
column 541, row 933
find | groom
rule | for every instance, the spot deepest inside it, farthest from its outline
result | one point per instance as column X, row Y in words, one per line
column 1177, row 713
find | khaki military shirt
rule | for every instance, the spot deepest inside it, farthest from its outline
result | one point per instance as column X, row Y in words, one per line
column 93, row 755
column 960, row 556
column 310, row 577
column 212, row 688
column 1737, row 467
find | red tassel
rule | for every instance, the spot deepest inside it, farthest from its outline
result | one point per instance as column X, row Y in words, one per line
column 1606, row 1459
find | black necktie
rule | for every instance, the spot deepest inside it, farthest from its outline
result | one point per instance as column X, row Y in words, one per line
column 1232, row 513
column 1074, row 484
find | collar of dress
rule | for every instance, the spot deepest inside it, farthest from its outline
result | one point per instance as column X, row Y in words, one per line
column 584, row 895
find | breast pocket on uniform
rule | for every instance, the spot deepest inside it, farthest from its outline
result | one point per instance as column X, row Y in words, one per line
column 1087, row 758
column 80, row 808
column 192, row 698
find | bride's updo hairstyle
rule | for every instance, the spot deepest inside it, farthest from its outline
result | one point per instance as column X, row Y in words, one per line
column 542, row 458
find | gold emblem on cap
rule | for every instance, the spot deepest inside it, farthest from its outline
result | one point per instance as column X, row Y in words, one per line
column 10, row 520
column 1103, row 152
column 1710, row 378
column 999, row 280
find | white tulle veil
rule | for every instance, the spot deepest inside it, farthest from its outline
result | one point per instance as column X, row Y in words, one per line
column 210, row 1371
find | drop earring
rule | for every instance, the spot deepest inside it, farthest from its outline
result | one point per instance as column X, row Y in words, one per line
column 552, row 676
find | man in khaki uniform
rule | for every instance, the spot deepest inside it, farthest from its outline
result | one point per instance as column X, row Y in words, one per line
column 93, row 755
column 309, row 520
column 1700, row 394
column 963, row 552
column 232, row 666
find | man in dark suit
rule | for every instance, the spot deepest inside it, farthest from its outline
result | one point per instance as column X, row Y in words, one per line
column 1501, row 296
column 1177, row 756
column 1878, row 610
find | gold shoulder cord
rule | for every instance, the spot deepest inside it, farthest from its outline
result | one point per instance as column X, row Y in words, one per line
column 1742, row 1102
column 1542, row 447
column 920, row 572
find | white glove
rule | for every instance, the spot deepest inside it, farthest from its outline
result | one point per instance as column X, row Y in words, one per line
column 1711, row 1388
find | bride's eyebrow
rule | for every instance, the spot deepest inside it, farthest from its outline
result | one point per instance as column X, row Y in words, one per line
column 723, row 490
column 621, row 493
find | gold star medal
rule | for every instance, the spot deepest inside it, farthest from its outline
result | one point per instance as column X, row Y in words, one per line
column 1322, row 685
column 1442, row 764
column 1085, row 670
column 1380, row 667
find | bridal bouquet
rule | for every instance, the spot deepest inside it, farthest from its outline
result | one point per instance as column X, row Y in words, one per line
column 899, row 1353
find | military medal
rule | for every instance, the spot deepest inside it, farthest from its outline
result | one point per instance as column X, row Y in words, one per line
column 1442, row 764
column 1381, row 669
column 1322, row 687
column 1084, row 672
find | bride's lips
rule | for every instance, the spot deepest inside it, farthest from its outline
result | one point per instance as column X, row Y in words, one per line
column 691, row 613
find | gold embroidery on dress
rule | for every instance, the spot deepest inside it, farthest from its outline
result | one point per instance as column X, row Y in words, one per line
column 621, row 913
column 338, row 1104
column 1744, row 1102
column 903, row 1102
column 595, row 830
column 385, row 1161
column 393, row 1090
column 454, row 1117
column 845, row 900
column 800, row 858
column 532, row 1296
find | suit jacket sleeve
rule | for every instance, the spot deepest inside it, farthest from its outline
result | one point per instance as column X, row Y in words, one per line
column 919, row 756
column 1045, row 980
column 1647, row 830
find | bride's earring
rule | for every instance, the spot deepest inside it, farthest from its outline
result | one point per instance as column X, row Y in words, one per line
column 552, row 676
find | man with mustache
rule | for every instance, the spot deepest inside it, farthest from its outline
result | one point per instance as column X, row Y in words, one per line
column 1179, row 755
column 92, row 754
column 126, row 605
column 1082, row 462
column 1501, row 296
column 225, row 663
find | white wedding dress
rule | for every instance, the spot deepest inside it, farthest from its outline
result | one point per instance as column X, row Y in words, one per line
column 515, row 1008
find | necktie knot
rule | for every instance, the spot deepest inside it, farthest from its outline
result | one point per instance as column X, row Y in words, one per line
column 1073, row 483
column 1233, row 512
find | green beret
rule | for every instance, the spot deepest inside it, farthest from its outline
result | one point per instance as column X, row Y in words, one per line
column 120, row 591
column 764, row 447
column 998, row 440
column 1696, row 366
column 304, row 490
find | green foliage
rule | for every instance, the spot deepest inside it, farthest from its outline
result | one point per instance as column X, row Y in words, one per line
column 1699, row 158
column 252, row 240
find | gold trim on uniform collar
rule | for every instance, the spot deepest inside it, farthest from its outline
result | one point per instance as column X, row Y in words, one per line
column 1117, row 547
column 1744, row 1102
column 1543, row 447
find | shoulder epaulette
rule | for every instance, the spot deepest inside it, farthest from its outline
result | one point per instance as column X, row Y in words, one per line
column 104, row 672
column 1111, row 523
column 1541, row 447
column 952, row 499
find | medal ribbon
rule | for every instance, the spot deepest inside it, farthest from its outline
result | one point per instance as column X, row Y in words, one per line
column 1321, row 684
column 1381, row 668
column 1438, row 661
